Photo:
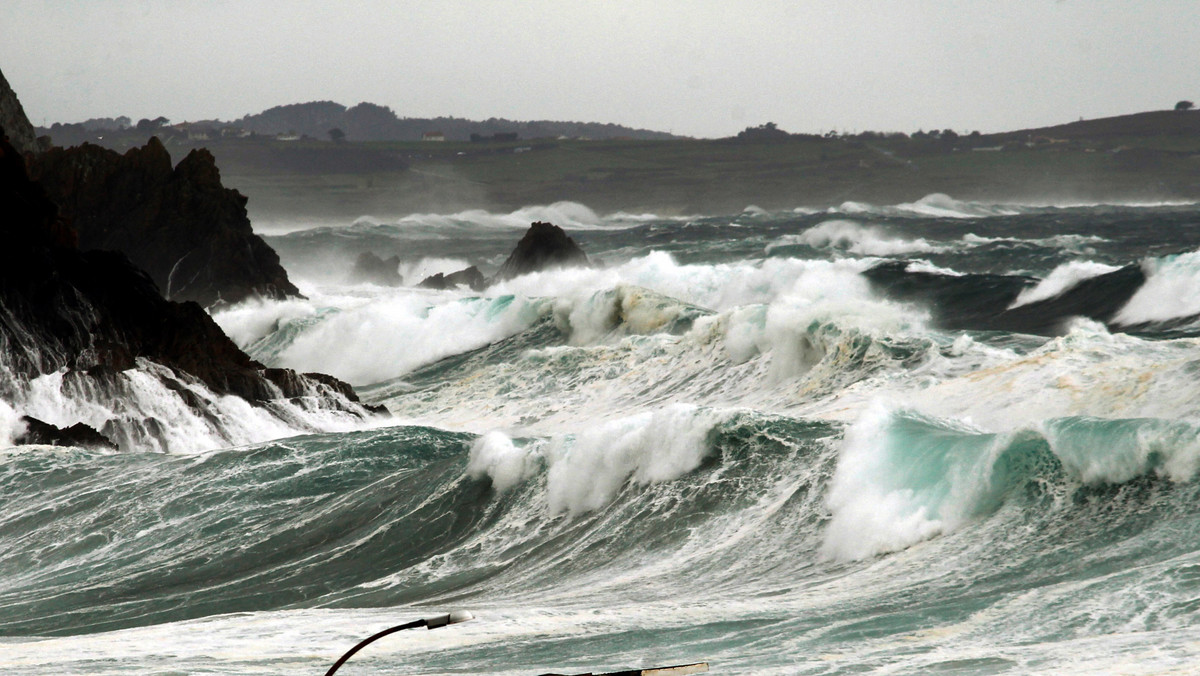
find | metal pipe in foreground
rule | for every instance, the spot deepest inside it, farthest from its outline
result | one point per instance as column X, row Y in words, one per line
column 430, row 623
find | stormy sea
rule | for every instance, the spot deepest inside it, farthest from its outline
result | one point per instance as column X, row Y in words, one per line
column 935, row 437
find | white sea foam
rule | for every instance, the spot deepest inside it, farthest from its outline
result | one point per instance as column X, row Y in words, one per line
column 878, row 505
column 939, row 205
column 925, row 266
column 1100, row 450
column 587, row 469
column 856, row 238
column 138, row 411
column 393, row 333
column 494, row 455
column 1069, row 242
column 11, row 425
column 903, row 477
column 255, row 319
column 936, row 205
column 1171, row 291
column 716, row 287
column 1061, row 279
column 569, row 215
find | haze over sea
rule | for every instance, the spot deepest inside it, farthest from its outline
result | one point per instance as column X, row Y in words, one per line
column 929, row 437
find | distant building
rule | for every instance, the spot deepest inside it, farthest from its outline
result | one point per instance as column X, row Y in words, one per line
column 290, row 136
column 433, row 136
column 193, row 131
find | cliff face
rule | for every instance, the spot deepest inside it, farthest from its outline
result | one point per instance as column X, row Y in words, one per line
column 180, row 225
column 13, row 121
column 93, row 314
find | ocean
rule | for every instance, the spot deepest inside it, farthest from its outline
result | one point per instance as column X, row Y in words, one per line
column 936, row 437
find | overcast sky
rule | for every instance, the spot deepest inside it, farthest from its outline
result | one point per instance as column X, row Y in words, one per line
column 692, row 67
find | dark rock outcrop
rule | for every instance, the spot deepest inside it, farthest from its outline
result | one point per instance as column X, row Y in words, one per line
column 94, row 313
column 369, row 267
column 41, row 432
column 543, row 246
column 190, row 233
column 470, row 277
column 13, row 122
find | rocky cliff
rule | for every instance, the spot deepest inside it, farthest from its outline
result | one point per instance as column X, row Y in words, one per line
column 180, row 225
column 13, row 121
column 92, row 315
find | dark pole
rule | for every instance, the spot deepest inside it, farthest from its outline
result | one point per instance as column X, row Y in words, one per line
column 432, row 623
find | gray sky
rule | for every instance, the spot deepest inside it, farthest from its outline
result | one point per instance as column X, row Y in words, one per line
column 698, row 68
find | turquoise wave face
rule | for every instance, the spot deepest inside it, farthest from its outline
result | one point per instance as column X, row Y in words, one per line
column 365, row 519
column 99, row 542
column 397, row 517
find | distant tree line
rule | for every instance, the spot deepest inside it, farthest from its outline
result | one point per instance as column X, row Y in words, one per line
column 771, row 132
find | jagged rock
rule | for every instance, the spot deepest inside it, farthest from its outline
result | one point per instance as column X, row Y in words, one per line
column 190, row 233
column 369, row 267
column 543, row 246
column 13, row 122
column 94, row 313
column 41, row 432
column 470, row 277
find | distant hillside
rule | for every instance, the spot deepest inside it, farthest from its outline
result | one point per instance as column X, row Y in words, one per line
column 1154, row 123
column 371, row 122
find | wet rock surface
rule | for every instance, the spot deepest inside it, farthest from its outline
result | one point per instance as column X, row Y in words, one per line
column 179, row 224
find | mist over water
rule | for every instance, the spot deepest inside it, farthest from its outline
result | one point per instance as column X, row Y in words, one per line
column 935, row 436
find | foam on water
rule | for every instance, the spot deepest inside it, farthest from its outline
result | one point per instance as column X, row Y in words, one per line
column 903, row 477
column 565, row 214
column 585, row 470
column 11, row 426
column 757, row 462
column 377, row 336
column 371, row 334
column 1171, row 291
column 1061, row 279
column 856, row 238
column 139, row 411
column 895, row 487
column 936, row 205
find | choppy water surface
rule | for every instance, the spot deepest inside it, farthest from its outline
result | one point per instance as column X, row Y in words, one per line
column 931, row 437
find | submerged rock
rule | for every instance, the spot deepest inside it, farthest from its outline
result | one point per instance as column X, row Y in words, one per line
column 544, row 246
column 470, row 277
column 181, row 225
